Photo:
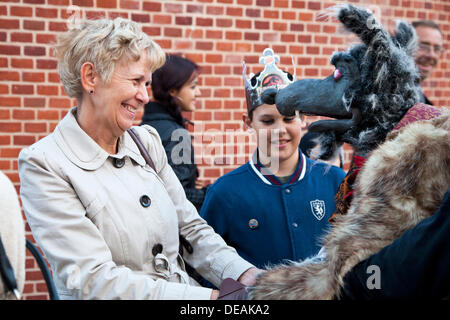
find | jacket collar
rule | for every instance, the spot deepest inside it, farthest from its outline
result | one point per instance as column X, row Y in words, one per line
column 269, row 178
column 155, row 111
column 83, row 151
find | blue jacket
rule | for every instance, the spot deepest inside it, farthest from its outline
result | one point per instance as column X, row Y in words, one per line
column 268, row 222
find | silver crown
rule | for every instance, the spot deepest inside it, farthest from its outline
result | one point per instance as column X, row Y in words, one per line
column 270, row 77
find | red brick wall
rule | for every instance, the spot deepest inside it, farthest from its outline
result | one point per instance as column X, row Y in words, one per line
column 217, row 34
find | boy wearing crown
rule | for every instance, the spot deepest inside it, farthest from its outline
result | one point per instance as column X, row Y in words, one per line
column 276, row 206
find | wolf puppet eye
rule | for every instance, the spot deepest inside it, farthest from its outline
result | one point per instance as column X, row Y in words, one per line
column 337, row 74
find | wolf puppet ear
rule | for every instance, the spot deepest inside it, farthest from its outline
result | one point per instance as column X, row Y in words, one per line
column 406, row 37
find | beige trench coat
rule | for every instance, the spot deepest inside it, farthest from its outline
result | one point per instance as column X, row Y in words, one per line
column 85, row 212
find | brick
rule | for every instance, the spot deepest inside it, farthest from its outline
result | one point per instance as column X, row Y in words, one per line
column 162, row 19
column 253, row 13
column 33, row 25
column 141, row 18
column 47, row 90
column 314, row 5
column 251, row 36
column 183, row 45
column 173, row 8
column 263, row 3
column 186, row 21
column 33, row 76
column 265, row 25
column 63, row 103
column 224, row 46
column 46, row 64
column 5, row 114
column 107, row 4
column 23, row 114
column 24, row 140
column 214, row 34
column 22, row 89
column 34, row 51
column 203, row 45
column 9, row 23
column 34, row 102
column 45, row 38
column 21, row 11
column 172, row 32
column 151, row 6
column 46, row 13
column 305, row 16
column 35, row 127
column 224, row 23
column 235, row 12
column 10, row 126
column 130, row 4
column 21, row 37
column 194, row 8
column 243, row 24
column 22, row 63
column 9, row 76
column 83, row 3
column 298, row 4
column 233, row 35
column 57, row 26
column 48, row 114
column 210, row 10
column 10, row 50
column 4, row 89
column 9, row 102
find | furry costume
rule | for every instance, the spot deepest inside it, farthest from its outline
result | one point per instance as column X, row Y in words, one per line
column 402, row 182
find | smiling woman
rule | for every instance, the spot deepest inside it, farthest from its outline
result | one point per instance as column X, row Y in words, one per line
column 109, row 223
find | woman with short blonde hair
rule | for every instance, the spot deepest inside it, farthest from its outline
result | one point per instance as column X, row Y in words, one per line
column 109, row 221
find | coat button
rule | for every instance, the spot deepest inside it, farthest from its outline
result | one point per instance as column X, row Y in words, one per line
column 157, row 248
column 145, row 201
column 287, row 191
column 118, row 163
column 253, row 223
column 295, row 225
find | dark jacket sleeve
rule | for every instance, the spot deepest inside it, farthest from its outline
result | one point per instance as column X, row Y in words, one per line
column 416, row 265
column 180, row 157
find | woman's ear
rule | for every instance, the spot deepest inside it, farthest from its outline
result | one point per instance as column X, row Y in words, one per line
column 173, row 92
column 89, row 77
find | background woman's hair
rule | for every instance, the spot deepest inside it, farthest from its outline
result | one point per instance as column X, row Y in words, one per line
column 172, row 75
column 102, row 42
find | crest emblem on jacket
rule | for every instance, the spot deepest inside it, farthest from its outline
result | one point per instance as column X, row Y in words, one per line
column 318, row 208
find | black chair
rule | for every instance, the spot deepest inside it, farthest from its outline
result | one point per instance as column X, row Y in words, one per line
column 7, row 273
column 44, row 269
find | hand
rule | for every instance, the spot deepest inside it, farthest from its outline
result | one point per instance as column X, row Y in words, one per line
column 248, row 278
column 199, row 184
column 214, row 295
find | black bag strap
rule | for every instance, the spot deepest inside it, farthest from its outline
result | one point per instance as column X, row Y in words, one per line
column 141, row 148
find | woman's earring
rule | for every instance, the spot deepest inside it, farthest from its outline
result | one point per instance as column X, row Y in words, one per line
column 91, row 92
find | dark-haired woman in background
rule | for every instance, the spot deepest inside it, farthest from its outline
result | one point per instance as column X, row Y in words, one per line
column 175, row 89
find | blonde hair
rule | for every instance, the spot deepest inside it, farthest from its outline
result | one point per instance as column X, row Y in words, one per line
column 102, row 42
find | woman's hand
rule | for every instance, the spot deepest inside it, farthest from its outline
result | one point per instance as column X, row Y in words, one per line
column 214, row 294
column 248, row 278
column 199, row 184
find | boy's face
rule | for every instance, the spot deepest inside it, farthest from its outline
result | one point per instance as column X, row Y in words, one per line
column 275, row 132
